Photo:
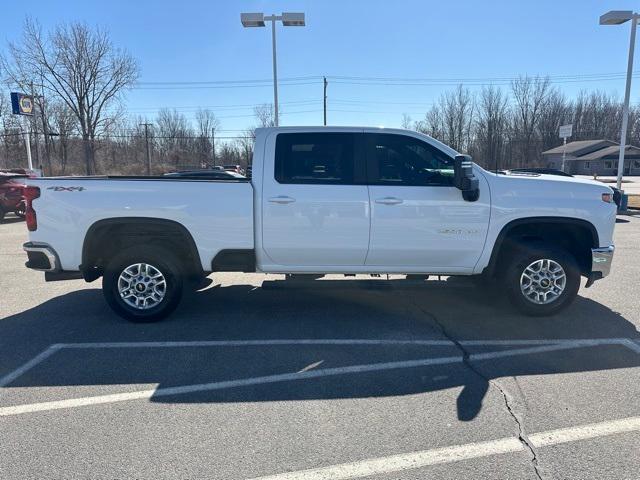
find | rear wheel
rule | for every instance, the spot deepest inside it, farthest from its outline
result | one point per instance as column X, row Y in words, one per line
column 143, row 284
column 1, row 213
column 541, row 279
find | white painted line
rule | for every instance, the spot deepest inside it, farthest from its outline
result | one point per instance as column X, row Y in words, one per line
column 12, row 376
column 258, row 343
column 585, row 432
column 42, row 356
column 203, row 387
column 398, row 463
column 456, row 453
column 341, row 341
column 635, row 346
column 76, row 402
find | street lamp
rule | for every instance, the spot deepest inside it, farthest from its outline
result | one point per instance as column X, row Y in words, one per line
column 288, row 20
column 618, row 17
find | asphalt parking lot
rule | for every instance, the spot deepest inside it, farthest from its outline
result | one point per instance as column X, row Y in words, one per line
column 255, row 378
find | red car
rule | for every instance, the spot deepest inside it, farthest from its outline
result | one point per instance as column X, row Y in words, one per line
column 11, row 189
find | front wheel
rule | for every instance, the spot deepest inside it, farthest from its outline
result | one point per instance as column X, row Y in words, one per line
column 542, row 279
column 143, row 284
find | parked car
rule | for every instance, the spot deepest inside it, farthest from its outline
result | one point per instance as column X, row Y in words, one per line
column 325, row 200
column 22, row 171
column 234, row 168
column 208, row 174
column 11, row 191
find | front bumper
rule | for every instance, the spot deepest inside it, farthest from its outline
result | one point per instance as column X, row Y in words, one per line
column 601, row 261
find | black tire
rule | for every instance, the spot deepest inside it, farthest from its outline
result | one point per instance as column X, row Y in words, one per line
column 162, row 261
column 20, row 211
column 525, row 256
column 1, row 214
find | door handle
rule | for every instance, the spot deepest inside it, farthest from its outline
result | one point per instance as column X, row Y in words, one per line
column 282, row 199
column 389, row 201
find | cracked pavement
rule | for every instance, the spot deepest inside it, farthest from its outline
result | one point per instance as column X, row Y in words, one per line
column 270, row 428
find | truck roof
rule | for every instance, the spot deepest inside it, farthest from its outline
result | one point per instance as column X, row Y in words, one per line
column 355, row 129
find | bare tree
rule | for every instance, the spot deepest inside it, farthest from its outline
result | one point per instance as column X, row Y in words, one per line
column 406, row 122
column 450, row 119
column 432, row 123
column 556, row 111
column 597, row 115
column 174, row 134
column 491, row 125
column 265, row 115
column 80, row 66
column 458, row 110
column 63, row 126
column 529, row 95
column 206, row 125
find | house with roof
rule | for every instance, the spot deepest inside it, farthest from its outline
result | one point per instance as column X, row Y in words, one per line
column 593, row 157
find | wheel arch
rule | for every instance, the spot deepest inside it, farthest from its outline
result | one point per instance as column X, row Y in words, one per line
column 546, row 229
column 127, row 231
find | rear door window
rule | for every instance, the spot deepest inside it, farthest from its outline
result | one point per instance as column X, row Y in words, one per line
column 317, row 158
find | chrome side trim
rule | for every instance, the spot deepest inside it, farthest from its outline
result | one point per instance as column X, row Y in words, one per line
column 54, row 265
column 601, row 260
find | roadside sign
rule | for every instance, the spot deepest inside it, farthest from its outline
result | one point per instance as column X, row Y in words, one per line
column 21, row 104
column 566, row 130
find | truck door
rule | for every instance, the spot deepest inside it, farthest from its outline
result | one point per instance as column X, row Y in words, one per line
column 315, row 202
column 419, row 220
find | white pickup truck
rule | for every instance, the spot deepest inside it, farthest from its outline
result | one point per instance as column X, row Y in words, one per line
column 325, row 200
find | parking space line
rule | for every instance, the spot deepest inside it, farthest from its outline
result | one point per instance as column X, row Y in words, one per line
column 456, row 453
column 576, row 343
column 341, row 341
column 41, row 357
column 633, row 345
column 326, row 372
column 585, row 432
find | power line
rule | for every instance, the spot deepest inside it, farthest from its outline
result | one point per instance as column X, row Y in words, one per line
column 373, row 80
column 223, row 82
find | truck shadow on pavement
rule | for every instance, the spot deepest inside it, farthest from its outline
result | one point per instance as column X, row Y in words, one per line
column 391, row 312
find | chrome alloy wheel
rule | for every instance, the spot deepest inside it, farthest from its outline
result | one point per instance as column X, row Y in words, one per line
column 142, row 286
column 543, row 281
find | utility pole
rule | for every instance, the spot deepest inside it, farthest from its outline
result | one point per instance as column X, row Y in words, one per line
column 146, row 139
column 34, row 126
column 325, row 100
column 27, row 142
column 213, row 145
column 45, row 128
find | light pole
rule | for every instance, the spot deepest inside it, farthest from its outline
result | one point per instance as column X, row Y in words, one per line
column 288, row 20
column 618, row 17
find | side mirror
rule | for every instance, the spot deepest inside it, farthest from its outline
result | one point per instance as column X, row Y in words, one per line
column 464, row 179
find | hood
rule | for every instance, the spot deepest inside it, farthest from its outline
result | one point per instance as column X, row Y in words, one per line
column 557, row 181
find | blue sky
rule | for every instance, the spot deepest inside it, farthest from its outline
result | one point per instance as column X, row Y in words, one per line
column 195, row 41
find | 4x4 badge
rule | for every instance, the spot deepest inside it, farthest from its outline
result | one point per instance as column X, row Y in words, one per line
column 66, row 189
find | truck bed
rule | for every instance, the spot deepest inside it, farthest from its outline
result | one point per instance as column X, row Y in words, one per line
column 217, row 213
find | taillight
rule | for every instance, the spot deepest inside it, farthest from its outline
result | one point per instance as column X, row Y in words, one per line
column 30, row 193
column 607, row 197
